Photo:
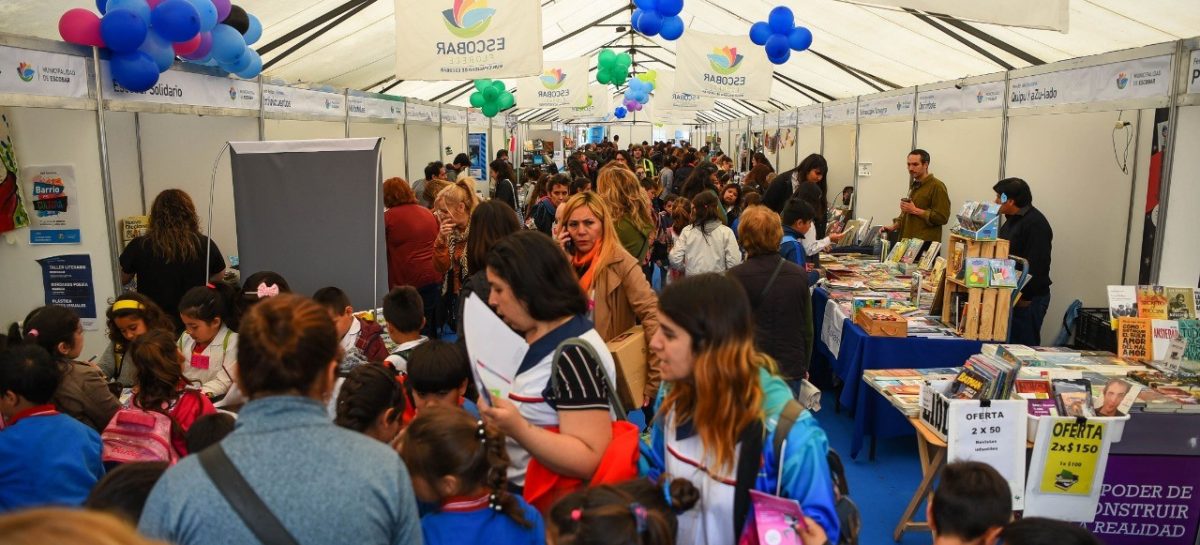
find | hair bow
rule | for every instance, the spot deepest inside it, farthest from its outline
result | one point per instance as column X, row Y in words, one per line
column 265, row 291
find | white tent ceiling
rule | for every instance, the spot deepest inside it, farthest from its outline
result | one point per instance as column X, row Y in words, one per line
column 856, row 49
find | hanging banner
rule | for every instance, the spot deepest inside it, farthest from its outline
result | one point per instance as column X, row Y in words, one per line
column 439, row 40
column 1139, row 78
column 55, row 204
column 840, row 113
column 720, row 66
column 1039, row 14
column 12, row 205
column 1150, row 216
column 454, row 116
column 422, row 113
column 1067, row 468
column 1149, row 499
column 596, row 105
column 561, row 84
column 1194, row 74
column 971, row 98
column 809, row 116
column 281, row 99
column 476, row 119
column 28, row 72
column 67, row 281
column 185, row 89
column 991, row 435
column 885, row 108
column 363, row 106
column 667, row 93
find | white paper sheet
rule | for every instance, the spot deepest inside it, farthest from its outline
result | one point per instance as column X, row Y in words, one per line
column 494, row 348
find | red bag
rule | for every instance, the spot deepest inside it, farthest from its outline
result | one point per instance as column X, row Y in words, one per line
column 191, row 406
column 544, row 487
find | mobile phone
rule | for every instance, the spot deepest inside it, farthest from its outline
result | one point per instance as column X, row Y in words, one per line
column 905, row 199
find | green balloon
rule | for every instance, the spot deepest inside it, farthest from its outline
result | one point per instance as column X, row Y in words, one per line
column 624, row 59
column 490, row 94
column 477, row 100
column 481, row 84
column 490, row 110
column 498, row 86
column 602, row 76
column 607, row 56
column 507, row 100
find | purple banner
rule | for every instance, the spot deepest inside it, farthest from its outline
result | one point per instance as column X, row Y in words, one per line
column 1149, row 499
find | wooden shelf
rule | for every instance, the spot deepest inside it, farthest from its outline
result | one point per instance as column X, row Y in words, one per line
column 987, row 309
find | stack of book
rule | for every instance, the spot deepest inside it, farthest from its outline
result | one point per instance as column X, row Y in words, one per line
column 979, row 220
column 985, row 377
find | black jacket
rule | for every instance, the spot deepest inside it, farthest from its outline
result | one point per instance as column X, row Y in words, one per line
column 1029, row 236
column 783, row 326
column 779, row 191
column 506, row 193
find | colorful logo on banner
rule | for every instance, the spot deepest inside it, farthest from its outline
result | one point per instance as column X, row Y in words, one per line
column 1122, row 80
column 979, row 97
column 469, row 18
column 232, row 93
column 586, row 106
column 725, row 61
column 26, row 72
column 553, row 79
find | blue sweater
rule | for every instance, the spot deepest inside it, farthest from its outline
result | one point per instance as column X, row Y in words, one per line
column 324, row 483
column 48, row 460
column 483, row 526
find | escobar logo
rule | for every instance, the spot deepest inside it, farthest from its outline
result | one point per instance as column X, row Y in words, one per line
column 553, row 79
column 979, row 97
column 26, row 72
column 585, row 106
column 725, row 62
column 1122, row 80
column 468, row 19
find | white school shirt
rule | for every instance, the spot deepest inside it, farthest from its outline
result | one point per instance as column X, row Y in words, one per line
column 812, row 246
column 715, row 250
column 222, row 361
column 398, row 361
column 708, row 523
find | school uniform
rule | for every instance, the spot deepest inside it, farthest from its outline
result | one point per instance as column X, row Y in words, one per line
column 362, row 343
column 48, row 458
column 213, row 365
column 398, row 359
column 465, row 521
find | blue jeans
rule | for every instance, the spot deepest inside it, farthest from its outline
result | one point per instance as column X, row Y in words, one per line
column 1027, row 321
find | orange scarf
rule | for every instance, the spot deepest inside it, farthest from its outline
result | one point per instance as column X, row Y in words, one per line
column 587, row 260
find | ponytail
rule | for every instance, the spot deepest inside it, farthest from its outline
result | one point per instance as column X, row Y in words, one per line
column 369, row 390
column 638, row 511
column 496, row 454
column 47, row 327
column 209, row 302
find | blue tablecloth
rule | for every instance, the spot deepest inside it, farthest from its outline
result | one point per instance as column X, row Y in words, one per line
column 873, row 415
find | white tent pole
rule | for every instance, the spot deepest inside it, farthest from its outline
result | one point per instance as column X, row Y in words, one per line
column 1004, row 126
column 1164, row 188
column 857, row 141
column 106, row 179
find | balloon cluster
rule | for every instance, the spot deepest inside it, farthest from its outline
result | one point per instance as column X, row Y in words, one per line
column 780, row 35
column 613, row 68
column 658, row 17
column 492, row 97
column 145, row 36
column 638, row 93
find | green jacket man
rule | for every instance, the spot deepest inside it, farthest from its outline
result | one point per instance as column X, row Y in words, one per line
column 927, row 207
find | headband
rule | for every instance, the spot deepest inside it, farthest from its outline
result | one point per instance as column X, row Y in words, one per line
column 127, row 304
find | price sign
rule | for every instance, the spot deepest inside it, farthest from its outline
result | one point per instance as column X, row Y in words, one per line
column 1072, row 457
column 994, row 435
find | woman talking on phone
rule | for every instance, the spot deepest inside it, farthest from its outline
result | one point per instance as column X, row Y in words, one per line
column 452, row 207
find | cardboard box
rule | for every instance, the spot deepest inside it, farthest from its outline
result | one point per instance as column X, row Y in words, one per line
column 631, row 353
column 880, row 322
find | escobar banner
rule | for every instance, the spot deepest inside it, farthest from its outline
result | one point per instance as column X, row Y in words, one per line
column 458, row 40
column 28, row 72
column 596, row 105
column 561, row 84
column 1134, row 79
column 719, row 66
column 668, row 97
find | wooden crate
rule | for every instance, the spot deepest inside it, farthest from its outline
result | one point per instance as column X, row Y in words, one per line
column 987, row 309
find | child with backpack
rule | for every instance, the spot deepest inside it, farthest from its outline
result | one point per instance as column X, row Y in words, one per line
column 48, row 457
column 439, row 375
column 130, row 316
column 637, row 511
column 153, row 428
column 373, row 402
column 362, row 340
column 209, row 343
column 404, row 312
column 460, row 463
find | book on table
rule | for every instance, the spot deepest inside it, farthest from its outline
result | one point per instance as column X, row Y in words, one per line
column 1122, row 303
column 1152, row 302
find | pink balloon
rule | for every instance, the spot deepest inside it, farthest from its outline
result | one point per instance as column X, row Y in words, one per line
column 154, row 3
column 80, row 26
column 223, row 7
column 183, row 48
column 202, row 49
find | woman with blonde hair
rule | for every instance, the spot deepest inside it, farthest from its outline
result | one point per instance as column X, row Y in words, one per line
column 452, row 207
column 173, row 256
column 616, row 288
column 630, row 206
column 61, row 525
column 718, row 413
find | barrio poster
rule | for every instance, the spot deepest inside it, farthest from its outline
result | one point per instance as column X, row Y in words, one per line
column 55, row 204
column 438, row 40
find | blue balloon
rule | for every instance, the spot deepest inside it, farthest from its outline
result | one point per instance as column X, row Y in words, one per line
column 123, row 31
column 176, row 20
column 648, row 5
column 254, row 32
column 158, row 49
column 635, row 20
column 620, row 112
column 140, row 7
column 760, row 32
column 781, row 19
column 101, row 6
column 800, row 39
column 669, row 8
column 672, row 28
column 134, row 71
column 650, row 23
column 780, row 59
column 207, row 12
column 777, row 45
column 242, row 63
column 228, row 44
column 254, row 69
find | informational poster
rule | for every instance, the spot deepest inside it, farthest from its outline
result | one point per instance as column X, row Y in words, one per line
column 1067, row 469
column 1149, row 499
column 722, row 66
column 478, row 150
column 28, row 72
column 439, row 40
column 1133, row 79
column 68, row 282
column 12, row 205
column 1194, row 73
column 185, row 88
column 55, row 204
column 991, row 434
column 561, row 84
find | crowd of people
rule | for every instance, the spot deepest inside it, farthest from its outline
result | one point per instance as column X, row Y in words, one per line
column 352, row 431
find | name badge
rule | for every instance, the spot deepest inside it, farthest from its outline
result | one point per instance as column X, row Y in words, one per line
column 200, row 361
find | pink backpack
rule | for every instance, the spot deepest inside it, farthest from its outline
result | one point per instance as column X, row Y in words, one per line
column 134, row 435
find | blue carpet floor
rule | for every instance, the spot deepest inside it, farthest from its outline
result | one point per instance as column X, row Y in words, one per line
column 881, row 488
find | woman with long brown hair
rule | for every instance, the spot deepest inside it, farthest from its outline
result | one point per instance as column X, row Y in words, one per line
column 173, row 256
column 630, row 208
column 718, row 413
column 162, row 388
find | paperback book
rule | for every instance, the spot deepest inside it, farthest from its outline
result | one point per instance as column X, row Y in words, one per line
column 1003, row 273
column 977, row 272
column 1134, row 339
column 1073, row 397
column 1122, row 303
column 1152, row 302
column 1181, row 303
column 1114, row 396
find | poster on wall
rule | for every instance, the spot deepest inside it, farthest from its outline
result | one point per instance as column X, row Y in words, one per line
column 1067, row 469
column 439, row 40
column 67, row 281
column 1149, row 499
column 478, row 150
column 1158, row 148
column 12, row 205
column 561, row 84
column 720, row 66
column 55, row 204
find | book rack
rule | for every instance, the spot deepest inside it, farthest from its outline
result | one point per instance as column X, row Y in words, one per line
column 985, row 315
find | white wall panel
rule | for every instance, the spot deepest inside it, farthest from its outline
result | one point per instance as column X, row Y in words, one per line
column 1180, row 260
column 965, row 155
column 392, row 147
column 885, row 146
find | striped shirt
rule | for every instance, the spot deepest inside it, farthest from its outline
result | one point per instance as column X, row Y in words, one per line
column 579, row 385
